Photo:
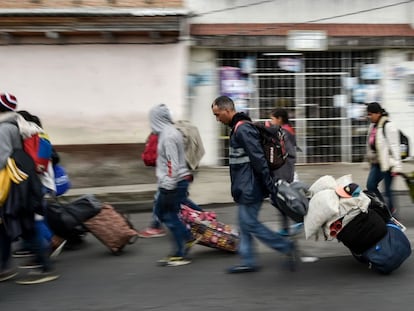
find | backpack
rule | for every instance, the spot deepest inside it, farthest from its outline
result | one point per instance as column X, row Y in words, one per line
column 272, row 139
column 193, row 145
column 291, row 199
column 404, row 143
column 149, row 155
column 39, row 148
column 379, row 206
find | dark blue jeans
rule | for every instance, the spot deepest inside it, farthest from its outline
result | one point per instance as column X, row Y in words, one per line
column 251, row 227
column 167, row 208
column 182, row 189
column 375, row 176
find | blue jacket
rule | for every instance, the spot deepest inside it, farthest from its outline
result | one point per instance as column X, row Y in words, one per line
column 250, row 176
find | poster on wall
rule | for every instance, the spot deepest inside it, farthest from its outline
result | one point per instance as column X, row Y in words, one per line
column 235, row 86
column 371, row 72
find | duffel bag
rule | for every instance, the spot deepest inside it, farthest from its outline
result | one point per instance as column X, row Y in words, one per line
column 389, row 253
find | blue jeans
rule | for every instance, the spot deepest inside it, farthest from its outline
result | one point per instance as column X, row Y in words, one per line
column 375, row 176
column 167, row 209
column 251, row 227
column 182, row 188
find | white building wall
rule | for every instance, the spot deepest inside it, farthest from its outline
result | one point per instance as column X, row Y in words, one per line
column 397, row 98
column 301, row 11
column 204, row 89
column 89, row 94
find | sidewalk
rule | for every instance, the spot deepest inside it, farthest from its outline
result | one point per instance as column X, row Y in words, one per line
column 212, row 184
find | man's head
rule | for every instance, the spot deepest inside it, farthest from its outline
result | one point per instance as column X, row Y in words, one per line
column 8, row 102
column 223, row 109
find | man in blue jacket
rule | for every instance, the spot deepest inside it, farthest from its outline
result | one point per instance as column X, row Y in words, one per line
column 251, row 182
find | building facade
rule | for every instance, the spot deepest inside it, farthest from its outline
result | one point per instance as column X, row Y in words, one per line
column 322, row 60
column 93, row 69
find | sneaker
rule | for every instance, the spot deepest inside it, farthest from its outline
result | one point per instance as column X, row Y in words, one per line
column 7, row 274
column 57, row 246
column 178, row 261
column 21, row 253
column 31, row 264
column 293, row 230
column 38, row 277
column 189, row 244
column 151, row 233
column 173, row 261
column 242, row 269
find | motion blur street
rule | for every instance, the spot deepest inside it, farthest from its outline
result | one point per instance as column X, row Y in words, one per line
column 93, row 279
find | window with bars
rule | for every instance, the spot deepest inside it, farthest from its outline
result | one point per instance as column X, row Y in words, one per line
column 310, row 86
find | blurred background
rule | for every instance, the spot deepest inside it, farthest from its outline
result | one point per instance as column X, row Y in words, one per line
column 91, row 70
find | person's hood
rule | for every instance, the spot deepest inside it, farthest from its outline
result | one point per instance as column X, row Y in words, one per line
column 160, row 116
column 9, row 116
column 239, row 117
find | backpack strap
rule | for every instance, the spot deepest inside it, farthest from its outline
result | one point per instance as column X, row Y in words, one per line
column 238, row 124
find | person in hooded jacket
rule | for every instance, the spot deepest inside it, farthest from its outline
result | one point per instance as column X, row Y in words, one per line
column 10, row 141
column 251, row 183
column 11, row 146
column 383, row 153
column 173, row 177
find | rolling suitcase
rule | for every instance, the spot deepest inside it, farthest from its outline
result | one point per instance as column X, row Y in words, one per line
column 112, row 229
column 210, row 232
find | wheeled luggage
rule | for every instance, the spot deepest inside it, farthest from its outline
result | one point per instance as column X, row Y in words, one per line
column 112, row 229
column 389, row 253
column 209, row 231
column 66, row 219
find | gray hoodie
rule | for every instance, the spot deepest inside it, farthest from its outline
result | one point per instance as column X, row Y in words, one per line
column 171, row 166
column 9, row 136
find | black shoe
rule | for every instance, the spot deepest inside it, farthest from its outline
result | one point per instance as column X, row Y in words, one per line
column 294, row 258
column 21, row 253
column 7, row 274
column 242, row 269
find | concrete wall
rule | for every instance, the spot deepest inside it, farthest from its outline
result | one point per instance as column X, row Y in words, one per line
column 397, row 69
column 92, row 94
column 300, row 11
column 203, row 90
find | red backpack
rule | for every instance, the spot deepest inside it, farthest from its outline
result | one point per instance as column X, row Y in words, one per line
column 149, row 155
column 39, row 148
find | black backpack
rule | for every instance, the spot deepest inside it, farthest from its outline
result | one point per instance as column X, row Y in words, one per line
column 404, row 143
column 273, row 142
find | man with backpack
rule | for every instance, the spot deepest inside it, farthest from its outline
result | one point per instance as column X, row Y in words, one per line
column 172, row 177
column 149, row 157
column 251, row 182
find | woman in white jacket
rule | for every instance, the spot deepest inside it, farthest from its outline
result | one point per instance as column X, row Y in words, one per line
column 383, row 153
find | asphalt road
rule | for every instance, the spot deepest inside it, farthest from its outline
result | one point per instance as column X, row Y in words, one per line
column 93, row 279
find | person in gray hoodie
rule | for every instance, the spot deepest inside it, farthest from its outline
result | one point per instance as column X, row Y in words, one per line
column 10, row 140
column 173, row 178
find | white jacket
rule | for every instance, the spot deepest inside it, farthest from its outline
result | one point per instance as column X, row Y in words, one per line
column 387, row 146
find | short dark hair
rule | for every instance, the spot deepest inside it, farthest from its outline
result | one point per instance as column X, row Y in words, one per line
column 375, row 108
column 30, row 117
column 281, row 113
column 223, row 102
